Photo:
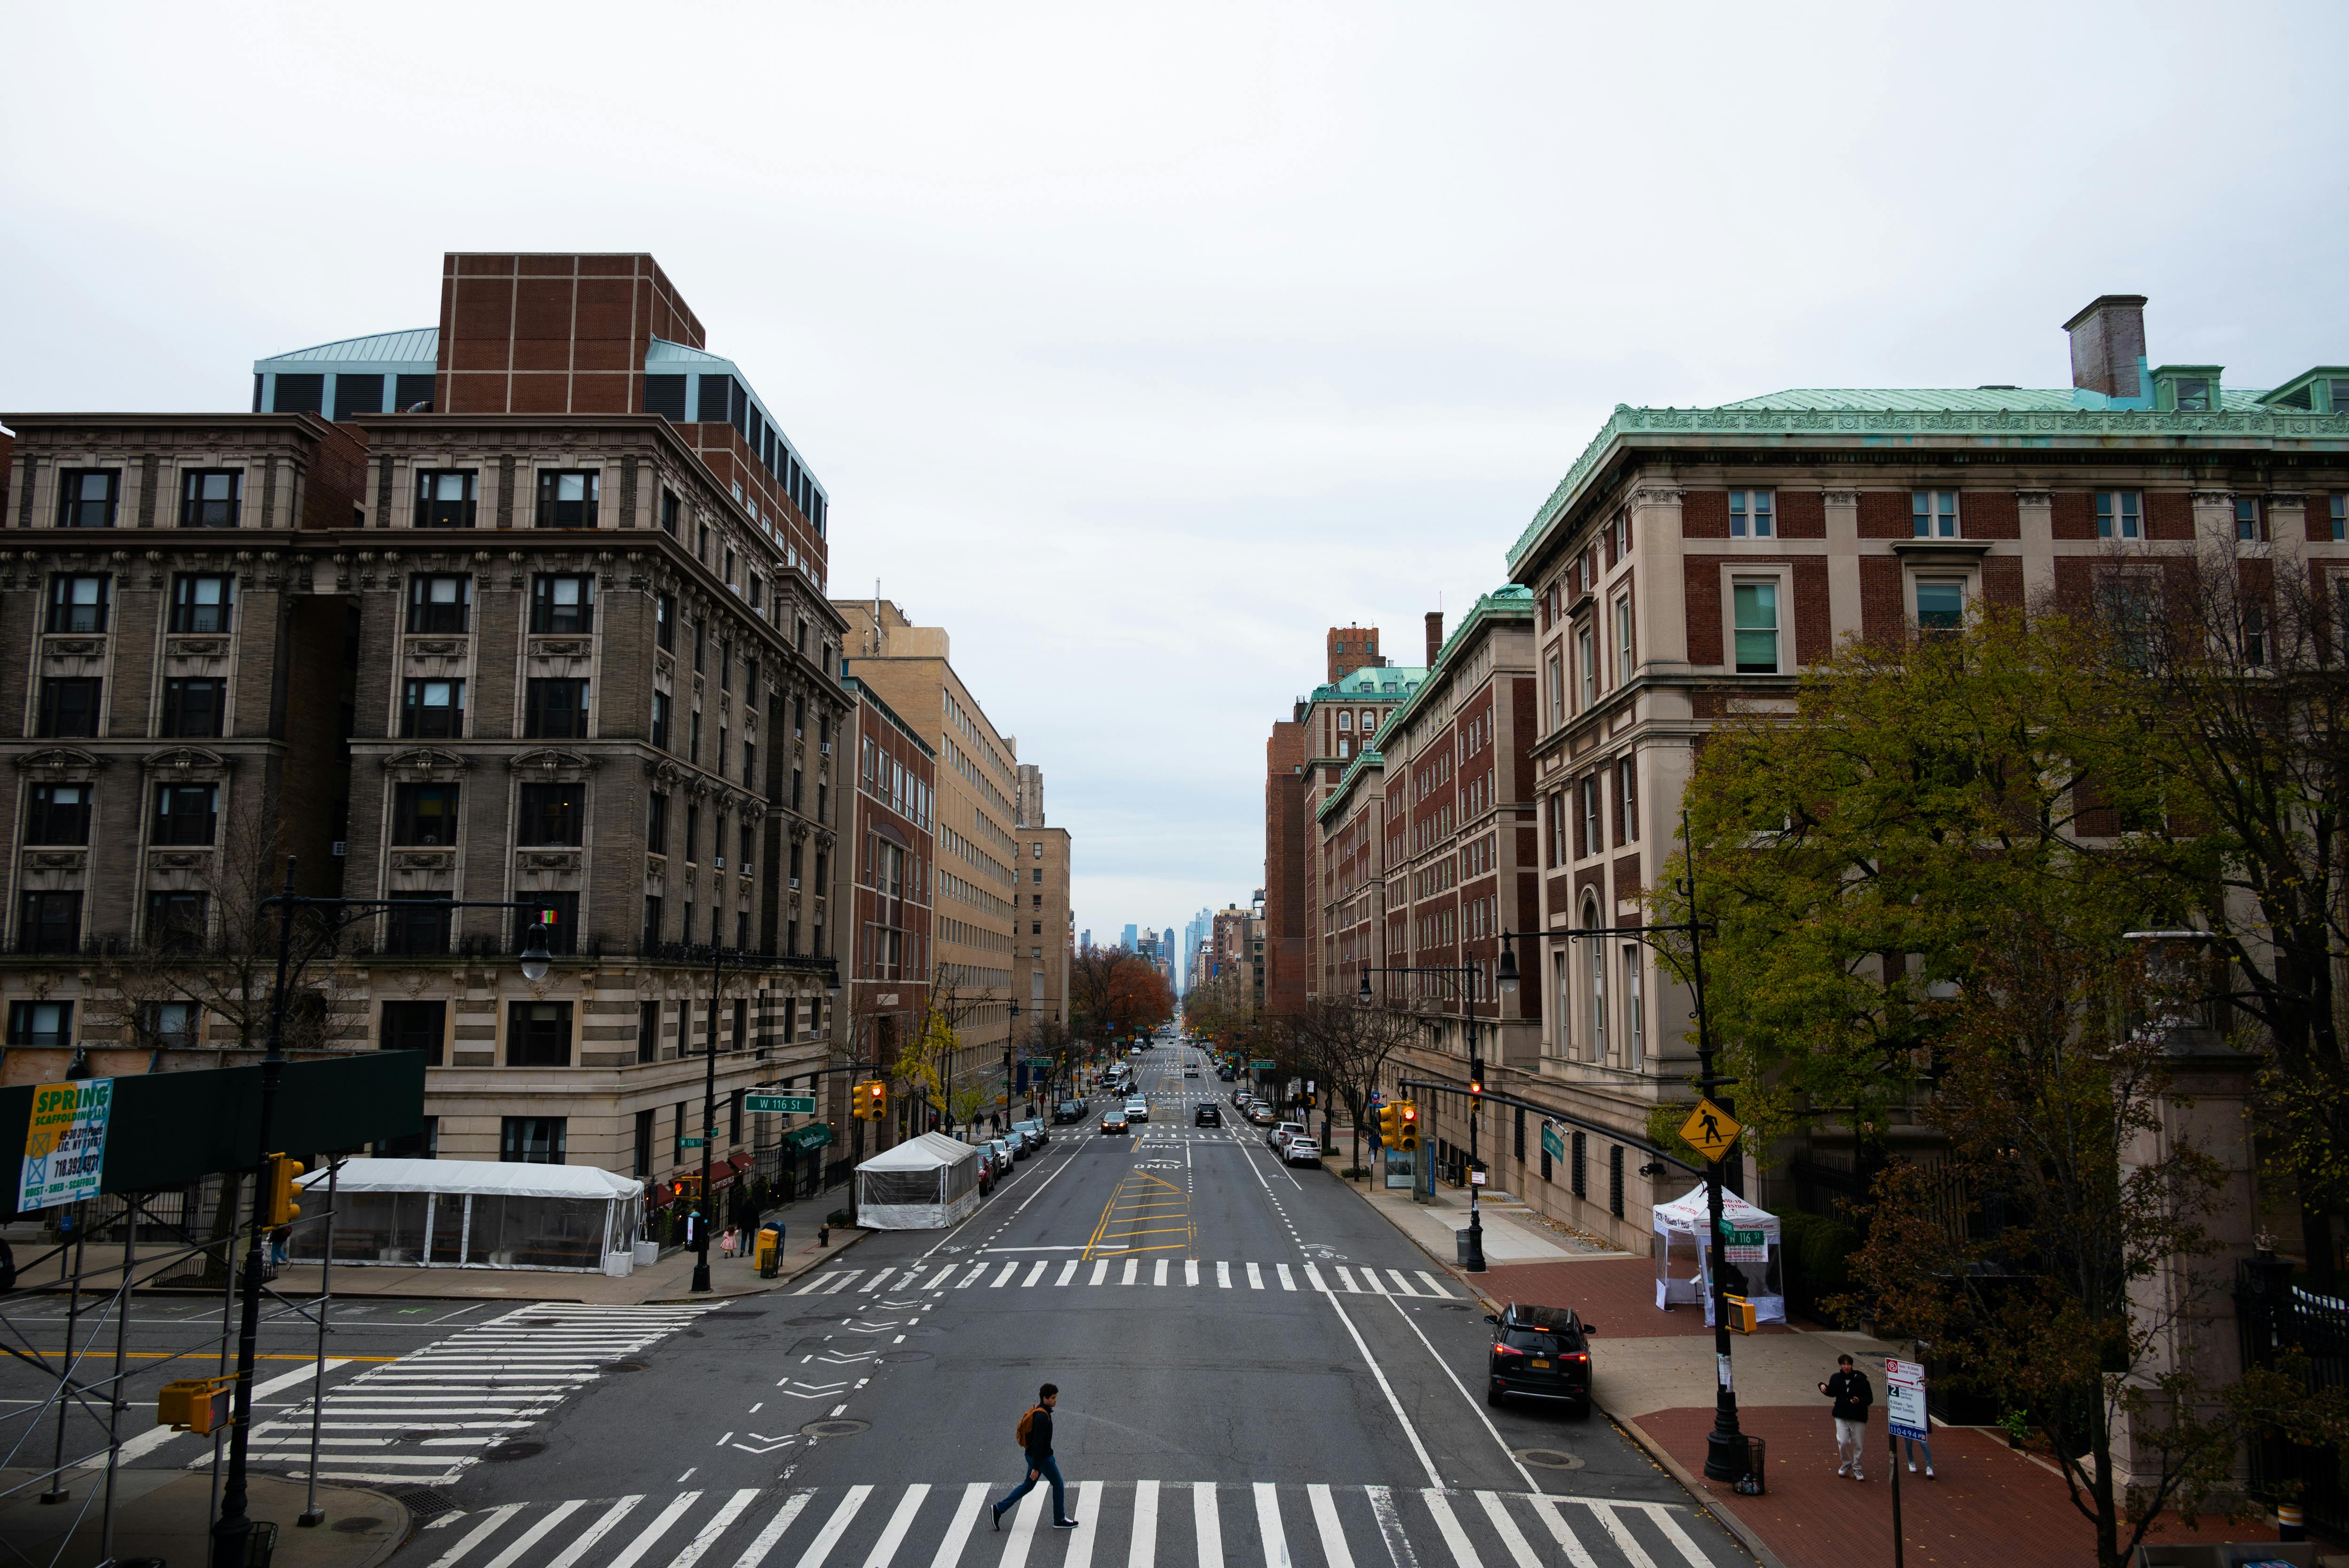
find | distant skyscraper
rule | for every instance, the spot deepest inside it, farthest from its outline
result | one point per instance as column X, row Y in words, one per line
column 1133, row 938
column 1084, row 942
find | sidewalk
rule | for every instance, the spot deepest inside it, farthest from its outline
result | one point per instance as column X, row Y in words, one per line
column 668, row 1279
column 163, row 1515
column 1653, row 1374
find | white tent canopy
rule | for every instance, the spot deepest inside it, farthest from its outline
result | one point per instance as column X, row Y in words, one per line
column 1685, row 1226
column 476, row 1214
column 925, row 1183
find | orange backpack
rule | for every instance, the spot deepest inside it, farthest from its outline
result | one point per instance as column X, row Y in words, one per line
column 1027, row 1425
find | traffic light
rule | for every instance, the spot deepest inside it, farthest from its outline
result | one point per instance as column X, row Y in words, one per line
column 1407, row 1116
column 872, row 1100
column 278, row 1193
column 1391, row 1124
column 1475, row 1075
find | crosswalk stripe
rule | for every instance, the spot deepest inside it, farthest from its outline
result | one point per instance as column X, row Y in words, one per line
column 1402, row 1285
column 1662, row 1519
column 875, row 1283
column 1506, row 1529
column 1335, row 1553
column 535, row 1533
column 940, row 1278
column 1267, row 1526
column 1190, row 1271
column 1100, row 1271
column 1023, row 1529
column 1439, row 1508
column 1632, row 1552
column 893, row 1535
column 834, row 1528
column 1081, row 1539
column 1373, row 1283
column 1158, row 1274
column 1389, row 1523
column 1285, row 1282
column 595, row 1532
column 1549, row 1513
column 1068, row 1271
column 1224, row 1277
column 844, row 1280
column 1034, row 1274
column 654, row 1531
column 1207, row 1523
column 481, row 1533
column 959, row 1528
column 971, row 1278
column 764, row 1543
column 1142, row 1551
column 1313, row 1280
column 1256, row 1277
column 1432, row 1287
column 1000, row 1281
column 1131, row 1265
column 719, row 1524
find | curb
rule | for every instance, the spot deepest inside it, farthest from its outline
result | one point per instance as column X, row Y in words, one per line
column 1697, row 1488
column 407, row 1528
column 764, row 1287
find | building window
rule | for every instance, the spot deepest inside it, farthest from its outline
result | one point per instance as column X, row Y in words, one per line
column 1592, row 842
column 671, row 506
column 40, row 1024
column 211, row 497
column 749, row 840
column 2119, row 514
column 433, row 710
column 424, row 815
column 175, row 921
column 1627, row 775
column 2250, row 521
column 530, row 1139
column 414, row 1026
column 1940, row 605
column 79, row 603
column 193, row 706
column 1757, row 606
column 186, row 814
column 415, row 922
column 553, row 814
column 1578, row 1166
column 1624, row 661
column 538, row 1034
column 665, row 622
column 1346, row 721
column 171, row 1025
column 554, row 710
column 558, row 912
column 2193, row 394
column 661, row 720
column 87, row 497
column 566, row 498
column 69, row 707
column 649, row 1015
column 1587, row 664
column 1635, row 1015
column 656, row 823
column 202, row 604
column 444, row 498
column 440, row 605
column 1615, row 1179
column 60, row 814
column 1749, row 515
column 652, row 931
column 2340, row 511
column 693, row 751
column 2255, row 634
column 1554, row 669
column 48, row 921
column 1933, row 514
column 565, row 606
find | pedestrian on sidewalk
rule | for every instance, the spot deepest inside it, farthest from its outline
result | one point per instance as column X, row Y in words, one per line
column 1908, row 1449
column 1035, row 1434
column 1852, row 1394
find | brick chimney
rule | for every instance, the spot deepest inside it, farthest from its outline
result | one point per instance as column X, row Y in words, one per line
column 2107, row 342
column 1434, row 635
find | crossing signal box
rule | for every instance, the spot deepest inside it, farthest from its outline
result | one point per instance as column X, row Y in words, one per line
column 278, row 1193
column 1407, row 1114
column 198, row 1405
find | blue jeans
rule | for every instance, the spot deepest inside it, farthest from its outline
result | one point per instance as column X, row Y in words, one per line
column 1049, row 1468
column 1908, row 1447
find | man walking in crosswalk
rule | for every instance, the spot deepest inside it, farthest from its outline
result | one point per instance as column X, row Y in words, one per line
column 1035, row 1433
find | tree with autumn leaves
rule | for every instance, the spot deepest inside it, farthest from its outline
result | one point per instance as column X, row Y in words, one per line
column 1117, row 994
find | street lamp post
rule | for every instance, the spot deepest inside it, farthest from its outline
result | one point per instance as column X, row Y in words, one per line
column 1467, row 974
column 701, row 1282
column 232, row 1535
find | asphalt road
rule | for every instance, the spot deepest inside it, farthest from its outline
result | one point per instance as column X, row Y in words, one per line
column 1252, row 1364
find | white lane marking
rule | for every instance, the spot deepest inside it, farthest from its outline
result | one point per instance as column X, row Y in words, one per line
column 1394, row 1404
column 755, row 1553
column 1632, row 1552
column 1440, row 1507
column 593, row 1533
column 1100, row 1271
column 655, row 1530
column 1511, row 1536
column 1158, row 1274
column 481, row 1533
column 893, row 1535
column 1389, row 1523
column 1345, row 1277
column 719, row 1524
column 959, row 1528
column 1207, row 1523
column 1224, row 1277
column 834, row 1528
column 1144, row 1551
column 1282, row 1270
column 1434, row 1287
column 1334, row 1552
column 939, row 1280
column 1474, row 1409
column 1314, row 1281
column 1081, row 1539
column 1068, row 1272
column 880, row 1278
column 1034, row 1274
column 972, row 1278
column 1547, row 1509
column 1267, row 1526
column 1023, row 1529
column 1132, row 1266
column 146, row 1443
column 835, row 1288
column 1190, row 1271
column 1373, row 1283
column 536, row 1533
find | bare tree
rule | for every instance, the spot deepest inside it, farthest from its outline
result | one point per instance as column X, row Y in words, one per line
column 1345, row 1045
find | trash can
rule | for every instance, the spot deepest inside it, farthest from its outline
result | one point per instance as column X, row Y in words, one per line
column 1460, row 1248
column 771, row 1249
column 1755, row 1475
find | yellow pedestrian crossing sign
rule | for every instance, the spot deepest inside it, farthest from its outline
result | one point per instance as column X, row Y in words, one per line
column 1710, row 1130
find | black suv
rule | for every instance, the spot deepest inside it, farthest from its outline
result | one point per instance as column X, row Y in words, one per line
column 1207, row 1116
column 1068, row 1110
column 1543, row 1352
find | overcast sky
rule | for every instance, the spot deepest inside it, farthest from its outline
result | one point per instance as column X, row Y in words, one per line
column 1137, row 346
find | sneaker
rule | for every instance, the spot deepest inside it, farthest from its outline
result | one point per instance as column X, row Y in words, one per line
column 1928, row 1472
column 996, row 1515
column 1912, row 1467
column 1857, row 1476
column 1066, row 1523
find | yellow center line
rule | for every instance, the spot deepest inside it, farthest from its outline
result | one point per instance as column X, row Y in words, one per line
column 1162, row 1230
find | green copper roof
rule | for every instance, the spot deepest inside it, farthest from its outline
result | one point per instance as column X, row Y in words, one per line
column 1511, row 600
column 1346, row 782
column 1804, row 420
column 1375, row 681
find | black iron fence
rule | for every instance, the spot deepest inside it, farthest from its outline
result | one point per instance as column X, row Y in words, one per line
column 2277, row 1319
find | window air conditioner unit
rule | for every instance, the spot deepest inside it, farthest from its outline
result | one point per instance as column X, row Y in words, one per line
column 825, row 750
column 342, row 848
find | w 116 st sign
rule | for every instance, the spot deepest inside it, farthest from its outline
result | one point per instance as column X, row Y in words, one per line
column 794, row 1104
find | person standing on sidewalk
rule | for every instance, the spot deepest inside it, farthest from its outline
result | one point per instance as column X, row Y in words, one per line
column 1035, row 1434
column 1852, row 1394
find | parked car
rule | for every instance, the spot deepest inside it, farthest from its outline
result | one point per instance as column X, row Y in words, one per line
column 1023, row 1143
column 1303, row 1149
column 1260, row 1113
column 1068, row 1110
column 1033, row 1126
column 1239, row 1098
column 1280, row 1132
column 1005, row 1154
column 1226, row 1074
column 1207, row 1116
column 1541, row 1353
column 1137, row 1109
column 1114, row 1120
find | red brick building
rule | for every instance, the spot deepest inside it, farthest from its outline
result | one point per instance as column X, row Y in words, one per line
column 891, row 836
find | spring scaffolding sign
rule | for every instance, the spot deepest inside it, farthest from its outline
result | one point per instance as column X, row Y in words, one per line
column 65, row 1145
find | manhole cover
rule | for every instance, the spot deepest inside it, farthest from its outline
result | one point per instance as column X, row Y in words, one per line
column 898, row 1355
column 1549, row 1458
column 507, row 1451
column 624, row 1366
column 834, row 1429
column 416, row 1436
column 354, row 1526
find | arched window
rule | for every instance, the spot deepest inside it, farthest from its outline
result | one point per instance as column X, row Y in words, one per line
column 1345, row 720
column 1369, row 722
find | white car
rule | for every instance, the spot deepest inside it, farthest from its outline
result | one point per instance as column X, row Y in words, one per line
column 1282, row 1131
column 1303, row 1149
column 1137, row 1109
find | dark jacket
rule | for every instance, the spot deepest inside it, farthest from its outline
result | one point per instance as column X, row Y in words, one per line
column 1852, row 1394
column 1040, row 1436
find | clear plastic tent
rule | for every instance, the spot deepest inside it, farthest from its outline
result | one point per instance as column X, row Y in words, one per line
column 925, row 1183
column 475, row 1213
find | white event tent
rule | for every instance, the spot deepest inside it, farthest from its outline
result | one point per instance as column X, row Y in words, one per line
column 1684, row 1227
column 476, row 1214
column 925, row 1183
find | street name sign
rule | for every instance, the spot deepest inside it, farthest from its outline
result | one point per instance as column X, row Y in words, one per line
column 1711, row 1131
column 690, row 1142
column 1553, row 1143
column 1263, row 1066
column 790, row 1104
